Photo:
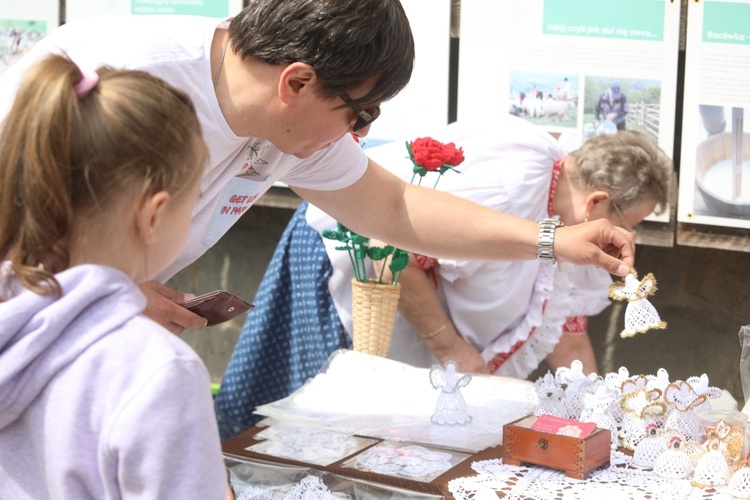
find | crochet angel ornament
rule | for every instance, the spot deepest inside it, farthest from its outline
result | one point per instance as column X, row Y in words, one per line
column 573, row 380
column 549, row 396
column 450, row 408
column 639, row 411
column 683, row 401
column 598, row 402
column 640, row 315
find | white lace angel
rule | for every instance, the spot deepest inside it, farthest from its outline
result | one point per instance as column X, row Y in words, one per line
column 549, row 395
column 640, row 315
column 700, row 387
column 683, row 402
column 450, row 408
column 573, row 380
column 597, row 403
column 640, row 411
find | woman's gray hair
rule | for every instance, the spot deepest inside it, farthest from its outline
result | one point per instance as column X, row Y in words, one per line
column 628, row 165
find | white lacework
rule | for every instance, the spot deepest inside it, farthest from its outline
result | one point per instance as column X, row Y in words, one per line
column 649, row 449
column 640, row 315
column 613, row 483
column 309, row 488
column 450, row 407
column 307, row 444
column 253, row 493
column 739, row 483
column 414, row 462
column 712, row 470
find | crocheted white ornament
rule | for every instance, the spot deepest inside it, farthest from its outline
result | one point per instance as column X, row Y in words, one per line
column 649, row 448
column 450, row 407
column 673, row 463
column 640, row 315
column 549, row 396
column 739, row 483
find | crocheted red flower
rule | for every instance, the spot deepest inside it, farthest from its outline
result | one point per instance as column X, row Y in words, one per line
column 429, row 155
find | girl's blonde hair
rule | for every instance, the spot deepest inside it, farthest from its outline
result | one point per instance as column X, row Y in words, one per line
column 63, row 155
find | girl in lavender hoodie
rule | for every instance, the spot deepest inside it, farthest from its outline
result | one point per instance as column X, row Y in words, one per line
column 99, row 172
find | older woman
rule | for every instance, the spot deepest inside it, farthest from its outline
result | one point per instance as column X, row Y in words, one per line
column 497, row 317
column 506, row 317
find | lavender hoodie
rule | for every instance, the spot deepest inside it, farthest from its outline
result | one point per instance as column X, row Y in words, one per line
column 97, row 401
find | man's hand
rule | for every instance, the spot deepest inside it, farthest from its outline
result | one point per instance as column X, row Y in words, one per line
column 164, row 308
column 596, row 243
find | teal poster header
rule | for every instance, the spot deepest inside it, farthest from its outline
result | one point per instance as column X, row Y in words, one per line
column 209, row 8
column 726, row 22
column 627, row 20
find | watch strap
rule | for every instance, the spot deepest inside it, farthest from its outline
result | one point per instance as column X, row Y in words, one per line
column 546, row 240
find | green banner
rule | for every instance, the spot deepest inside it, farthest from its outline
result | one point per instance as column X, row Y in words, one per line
column 726, row 22
column 627, row 20
column 209, row 8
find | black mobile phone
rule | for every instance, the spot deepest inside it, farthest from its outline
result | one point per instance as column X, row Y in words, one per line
column 218, row 306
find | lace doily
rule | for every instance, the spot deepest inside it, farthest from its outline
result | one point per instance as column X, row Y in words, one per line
column 621, row 483
column 410, row 461
column 308, row 444
column 309, row 488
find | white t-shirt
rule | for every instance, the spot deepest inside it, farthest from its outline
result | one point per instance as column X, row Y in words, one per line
column 177, row 49
column 496, row 306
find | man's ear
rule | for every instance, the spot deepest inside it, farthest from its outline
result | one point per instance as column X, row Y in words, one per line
column 149, row 215
column 297, row 78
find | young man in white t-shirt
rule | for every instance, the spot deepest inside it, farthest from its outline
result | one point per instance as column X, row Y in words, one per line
column 278, row 90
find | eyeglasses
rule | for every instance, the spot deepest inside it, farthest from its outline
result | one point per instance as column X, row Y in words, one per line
column 622, row 217
column 366, row 116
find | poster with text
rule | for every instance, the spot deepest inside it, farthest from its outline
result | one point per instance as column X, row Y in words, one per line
column 22, row 24
column 76, row 9
column 715, row 149
column 577, row 68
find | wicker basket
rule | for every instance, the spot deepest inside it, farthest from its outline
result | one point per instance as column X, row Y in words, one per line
column 374, row 313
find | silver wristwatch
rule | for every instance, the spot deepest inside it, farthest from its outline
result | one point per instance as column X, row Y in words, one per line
column 547, row 227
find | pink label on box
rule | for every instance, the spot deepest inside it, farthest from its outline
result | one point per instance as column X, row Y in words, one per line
column 563, row 426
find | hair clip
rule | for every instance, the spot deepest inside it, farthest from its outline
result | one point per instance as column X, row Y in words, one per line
column 86, row 83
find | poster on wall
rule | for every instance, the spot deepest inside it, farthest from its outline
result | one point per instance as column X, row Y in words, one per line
column 577, row 68
column 22, row 24
column 715, row 149
column 76, row 9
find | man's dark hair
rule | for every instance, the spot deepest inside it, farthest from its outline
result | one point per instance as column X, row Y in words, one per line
column 347, row 42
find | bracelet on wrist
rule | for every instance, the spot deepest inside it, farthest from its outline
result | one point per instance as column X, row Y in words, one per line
column 432, row 334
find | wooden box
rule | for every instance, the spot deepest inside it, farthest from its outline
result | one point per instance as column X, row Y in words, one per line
column 575, row 456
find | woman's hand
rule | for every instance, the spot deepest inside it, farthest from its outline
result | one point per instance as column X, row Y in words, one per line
column 448, row 345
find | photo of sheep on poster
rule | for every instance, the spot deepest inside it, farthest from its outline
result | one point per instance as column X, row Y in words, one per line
column 611, row 104
column 17, row 37
column 547, row 99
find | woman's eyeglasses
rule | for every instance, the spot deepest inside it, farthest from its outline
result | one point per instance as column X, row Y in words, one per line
column 625, row 224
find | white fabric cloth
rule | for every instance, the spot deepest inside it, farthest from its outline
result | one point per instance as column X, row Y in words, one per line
column 177, row 49
column 98, row 401
column 494, row 305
